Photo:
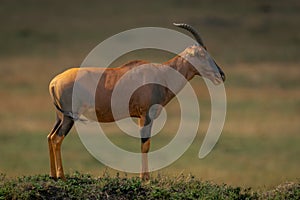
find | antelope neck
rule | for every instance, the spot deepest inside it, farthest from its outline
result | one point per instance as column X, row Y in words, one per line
column 182, row 66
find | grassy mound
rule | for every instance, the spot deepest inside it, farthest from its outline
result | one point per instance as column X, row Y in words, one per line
column 83, row 186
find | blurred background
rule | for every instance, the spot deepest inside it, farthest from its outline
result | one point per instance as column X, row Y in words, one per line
column 257, row 44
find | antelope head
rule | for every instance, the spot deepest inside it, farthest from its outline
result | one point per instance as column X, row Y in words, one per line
column 198, row 56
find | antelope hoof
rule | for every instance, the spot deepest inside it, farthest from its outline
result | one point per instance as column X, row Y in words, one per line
column 145, row 176
column 61, row 177
column 53, row 178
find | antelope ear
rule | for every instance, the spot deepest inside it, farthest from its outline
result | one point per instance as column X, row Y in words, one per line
column 193, row 51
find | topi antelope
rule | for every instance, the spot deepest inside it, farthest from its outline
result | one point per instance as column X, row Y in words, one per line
column 194, row 60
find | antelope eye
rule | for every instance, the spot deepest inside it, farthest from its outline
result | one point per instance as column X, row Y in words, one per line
column 201, row 53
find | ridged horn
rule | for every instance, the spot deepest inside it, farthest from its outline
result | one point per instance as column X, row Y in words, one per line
column 192, row 30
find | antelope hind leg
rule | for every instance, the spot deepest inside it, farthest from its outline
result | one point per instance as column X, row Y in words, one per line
column 51, row 152
column 57, row 139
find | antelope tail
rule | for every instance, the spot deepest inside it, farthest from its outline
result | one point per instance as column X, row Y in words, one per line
column 69, row 114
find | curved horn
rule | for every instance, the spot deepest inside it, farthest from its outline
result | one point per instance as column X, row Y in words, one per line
column 192, row 30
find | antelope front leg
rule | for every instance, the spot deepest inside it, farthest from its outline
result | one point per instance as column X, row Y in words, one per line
column 145, row 131
column 145, row 170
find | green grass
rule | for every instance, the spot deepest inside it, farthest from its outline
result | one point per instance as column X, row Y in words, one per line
column 84, row 186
